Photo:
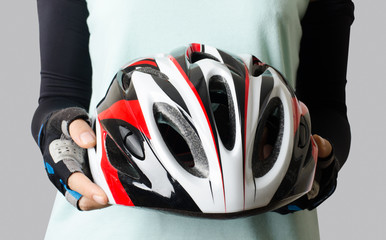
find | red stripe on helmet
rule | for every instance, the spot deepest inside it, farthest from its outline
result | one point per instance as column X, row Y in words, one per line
column 145, row 62
column 296, row 113
column 111, row 175
column 299, row 109
column 206, row 115
column 129, row 111
column 245, row 122
column 315, row 150
column 194, row 47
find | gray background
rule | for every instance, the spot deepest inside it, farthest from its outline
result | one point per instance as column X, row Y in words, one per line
column 356, row 210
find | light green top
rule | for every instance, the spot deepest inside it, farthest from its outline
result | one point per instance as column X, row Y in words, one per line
column 122, row 30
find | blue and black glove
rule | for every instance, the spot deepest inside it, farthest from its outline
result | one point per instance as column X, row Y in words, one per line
column 62, row 156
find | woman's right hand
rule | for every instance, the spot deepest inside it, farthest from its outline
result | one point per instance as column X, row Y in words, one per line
column 63, row 140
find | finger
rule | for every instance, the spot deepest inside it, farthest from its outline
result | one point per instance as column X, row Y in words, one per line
column 83, row 185
column 87, row 204
column 82, row 134
column 324, row 146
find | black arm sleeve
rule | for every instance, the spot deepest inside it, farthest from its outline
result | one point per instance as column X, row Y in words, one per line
column 65, row 60
column 321, row 78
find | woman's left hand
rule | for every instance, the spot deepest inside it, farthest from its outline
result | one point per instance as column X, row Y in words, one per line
column 324, row 182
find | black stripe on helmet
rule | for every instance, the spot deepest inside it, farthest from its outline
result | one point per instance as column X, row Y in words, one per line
column 265, row 91
column 233, row 63
column 118, row 90
column 179, row 199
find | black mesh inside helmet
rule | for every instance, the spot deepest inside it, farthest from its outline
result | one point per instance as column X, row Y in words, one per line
column 223, row 110
column 178, row 147
column 181, row 139
column 268, row 136
column 153, row 71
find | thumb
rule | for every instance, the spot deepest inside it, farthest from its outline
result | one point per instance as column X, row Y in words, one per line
column 82, row 134
column 324, row 146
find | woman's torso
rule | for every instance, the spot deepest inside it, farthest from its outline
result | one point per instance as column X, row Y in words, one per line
column 122, row 30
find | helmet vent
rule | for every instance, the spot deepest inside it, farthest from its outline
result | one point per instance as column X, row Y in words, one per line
column 258, row 67
column 268, row 138
column 223, row 110
column 304, row 141
column 118, row 160
column 181, row 139
column 126, row 80
column 304, row 135
column 197, row 56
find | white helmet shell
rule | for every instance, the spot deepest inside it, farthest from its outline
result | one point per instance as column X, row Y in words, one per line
column 189, row 132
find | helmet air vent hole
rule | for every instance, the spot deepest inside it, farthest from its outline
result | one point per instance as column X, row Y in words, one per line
column 258, row 67
column 268, row 138
column 223, row 110
column 304, row 136
column 119, row 160
column 197, row 56
column 126, row 80
column 181, row 139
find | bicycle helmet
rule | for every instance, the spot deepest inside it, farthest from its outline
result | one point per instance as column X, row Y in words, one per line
column 202, row 132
